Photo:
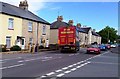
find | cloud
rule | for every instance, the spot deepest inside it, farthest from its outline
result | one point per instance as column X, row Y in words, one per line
column 34, row 5
column 55, row 8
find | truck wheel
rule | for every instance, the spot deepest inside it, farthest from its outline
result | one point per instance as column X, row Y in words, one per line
column 61, row 51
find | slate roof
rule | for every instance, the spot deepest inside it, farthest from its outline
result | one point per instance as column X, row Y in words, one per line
column 86, row 29
column 9, row 9
column 81, row 30
column 57, row 24
column 94, row 33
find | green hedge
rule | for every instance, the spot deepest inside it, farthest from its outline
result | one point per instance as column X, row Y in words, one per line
column 15, row 48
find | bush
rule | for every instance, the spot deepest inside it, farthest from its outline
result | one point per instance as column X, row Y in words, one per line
column 15, row 48
column 3, row 48
column 41, row 47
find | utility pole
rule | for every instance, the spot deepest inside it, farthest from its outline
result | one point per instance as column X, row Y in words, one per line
column 37, row 37
column 108, row 36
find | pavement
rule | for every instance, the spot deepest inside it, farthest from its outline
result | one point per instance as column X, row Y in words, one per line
column 53, row 64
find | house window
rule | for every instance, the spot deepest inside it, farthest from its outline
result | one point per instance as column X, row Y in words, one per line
column 30, row 25
column 44, row 30
column 10, row 24
column 8, row 42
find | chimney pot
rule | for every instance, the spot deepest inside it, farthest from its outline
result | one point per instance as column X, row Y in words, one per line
column 70, row 22
column 60, row 18
column 79, row 25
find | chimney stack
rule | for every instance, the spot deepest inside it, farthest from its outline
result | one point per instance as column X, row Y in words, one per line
column 60, row 18
column 94, row 30
column 70, row 22
column 79, row 25
column 24, row 5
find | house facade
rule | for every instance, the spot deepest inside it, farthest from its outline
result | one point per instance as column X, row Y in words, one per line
column 89, row 36
column 21, row 27
column 54, row 29
column 86, row 34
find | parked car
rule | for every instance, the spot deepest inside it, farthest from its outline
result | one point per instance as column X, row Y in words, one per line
column 93, row 49
column 108, row 46
column 113, row 45
column 103, row 47
column 118, row 45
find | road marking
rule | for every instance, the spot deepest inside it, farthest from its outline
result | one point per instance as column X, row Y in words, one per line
column 78, row 66
column 66, row 72
column 74, row 64
column 12, row 66
column 70, row 66
column 71, row 54
column 80, row 62
column 42, row 77
column 20, row 61
column 58, row 70
column 51, row 73
column 73, row 69
column 12, row 58
column 60, row 75
column 104, row 63
column 65, row 68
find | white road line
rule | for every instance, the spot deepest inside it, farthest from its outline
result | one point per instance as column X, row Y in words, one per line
column 66, row 72
column 42, row 77
column 60, row 75
column 12, row 66
column 51, row 73
column 58, row 70
column 12, row 58
column 104, row 63
column 65, row 68
column 73, row 69
column 74, row 64
column 80, row 62
column 71, row 54
column 70, row 66
column 78, row 66
column 20, row 61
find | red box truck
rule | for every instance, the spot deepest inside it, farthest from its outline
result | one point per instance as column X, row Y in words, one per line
column 68, row 38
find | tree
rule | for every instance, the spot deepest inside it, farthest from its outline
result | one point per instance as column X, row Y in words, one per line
column 107, row 34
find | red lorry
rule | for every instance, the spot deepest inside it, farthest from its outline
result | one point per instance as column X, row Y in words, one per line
column 68, row 38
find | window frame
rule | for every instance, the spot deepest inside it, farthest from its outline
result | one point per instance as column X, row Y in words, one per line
column 44, row 30
column 11, row 24
column 30, row 26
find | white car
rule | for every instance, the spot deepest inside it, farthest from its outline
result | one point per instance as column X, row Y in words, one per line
column 113, row 46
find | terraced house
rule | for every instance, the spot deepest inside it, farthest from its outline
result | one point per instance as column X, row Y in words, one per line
column 87, row 35
column 19, row 26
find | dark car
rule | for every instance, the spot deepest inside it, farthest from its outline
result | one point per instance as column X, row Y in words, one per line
column 102, row 47
column 108, row 46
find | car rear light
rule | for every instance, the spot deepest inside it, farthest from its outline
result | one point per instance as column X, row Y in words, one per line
column 74, row 40
column 58, row 41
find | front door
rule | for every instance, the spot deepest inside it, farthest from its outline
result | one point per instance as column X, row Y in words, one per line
column 23, row 43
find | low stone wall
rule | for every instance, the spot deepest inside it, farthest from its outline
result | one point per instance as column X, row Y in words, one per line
column 14, row 52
